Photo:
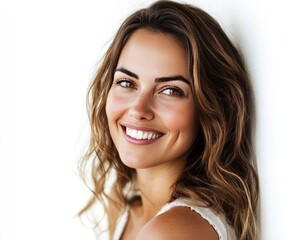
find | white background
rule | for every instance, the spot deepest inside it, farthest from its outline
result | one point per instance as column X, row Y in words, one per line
column 48, row 53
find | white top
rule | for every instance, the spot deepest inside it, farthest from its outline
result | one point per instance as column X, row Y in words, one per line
column 217, row 221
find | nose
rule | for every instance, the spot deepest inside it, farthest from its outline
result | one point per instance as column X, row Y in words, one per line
column 141, row 108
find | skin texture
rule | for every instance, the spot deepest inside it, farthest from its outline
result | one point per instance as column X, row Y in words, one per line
column 152, row 92
column 178, row 223
column 145, row 104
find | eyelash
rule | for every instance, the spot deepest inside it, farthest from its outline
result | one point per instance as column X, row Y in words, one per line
column 126, row 81
column 178, row 91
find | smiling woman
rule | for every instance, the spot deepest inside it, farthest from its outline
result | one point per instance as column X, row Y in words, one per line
column 151, row 112
column 171, row 115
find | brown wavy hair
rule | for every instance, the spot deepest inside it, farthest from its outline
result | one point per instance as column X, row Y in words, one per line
column 221, row 165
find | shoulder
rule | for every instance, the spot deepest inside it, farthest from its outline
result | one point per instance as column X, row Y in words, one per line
column 178, row 223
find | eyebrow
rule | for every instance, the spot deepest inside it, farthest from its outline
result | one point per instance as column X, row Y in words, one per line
column 173, row 78
column 161, row 79
column 126, row 71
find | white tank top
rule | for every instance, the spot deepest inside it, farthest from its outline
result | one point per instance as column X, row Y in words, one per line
column 217, row 221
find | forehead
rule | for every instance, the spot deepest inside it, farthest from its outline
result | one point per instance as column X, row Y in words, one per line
column 155, row 53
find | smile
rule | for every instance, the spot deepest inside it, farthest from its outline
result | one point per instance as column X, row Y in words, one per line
column 139, row 134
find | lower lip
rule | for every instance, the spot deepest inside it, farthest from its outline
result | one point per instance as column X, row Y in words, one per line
column 138, row 141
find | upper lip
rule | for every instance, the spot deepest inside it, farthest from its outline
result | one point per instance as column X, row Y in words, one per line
column 141, row 128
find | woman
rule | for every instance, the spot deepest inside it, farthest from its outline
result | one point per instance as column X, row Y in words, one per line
column 171, row 116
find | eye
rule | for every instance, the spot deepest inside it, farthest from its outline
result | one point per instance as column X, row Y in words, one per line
column 126, row 83
column 173, row 91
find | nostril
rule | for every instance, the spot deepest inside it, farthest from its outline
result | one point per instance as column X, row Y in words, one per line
column 141, row 115
column 141, row 110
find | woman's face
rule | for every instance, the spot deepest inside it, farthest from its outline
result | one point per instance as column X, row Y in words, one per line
column 150, row 108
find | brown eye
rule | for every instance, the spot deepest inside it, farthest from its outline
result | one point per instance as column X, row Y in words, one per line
column 173, row 91
column 126, row 84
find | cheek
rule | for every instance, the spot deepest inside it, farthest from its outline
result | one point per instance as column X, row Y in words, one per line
column 115, row 106
column 182, row 118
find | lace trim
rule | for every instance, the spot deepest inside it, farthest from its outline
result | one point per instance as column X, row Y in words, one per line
column 218, row 222
column 203, row 212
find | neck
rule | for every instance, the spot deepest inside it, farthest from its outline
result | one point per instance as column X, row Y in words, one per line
column 156, row 185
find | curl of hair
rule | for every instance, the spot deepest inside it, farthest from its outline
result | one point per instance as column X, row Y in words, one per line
column 221, row 165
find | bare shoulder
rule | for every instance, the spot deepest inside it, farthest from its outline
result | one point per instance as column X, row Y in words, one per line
column 178, row 223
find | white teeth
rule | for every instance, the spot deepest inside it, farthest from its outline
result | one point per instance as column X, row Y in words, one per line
column 141, row 134
column 145, row 136
column 128, row 131
column 150, row 135
column 133, row 133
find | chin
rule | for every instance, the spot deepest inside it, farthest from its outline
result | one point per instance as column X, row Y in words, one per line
column 137, row 163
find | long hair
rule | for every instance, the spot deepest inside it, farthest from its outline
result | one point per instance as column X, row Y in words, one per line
column 221, row 165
